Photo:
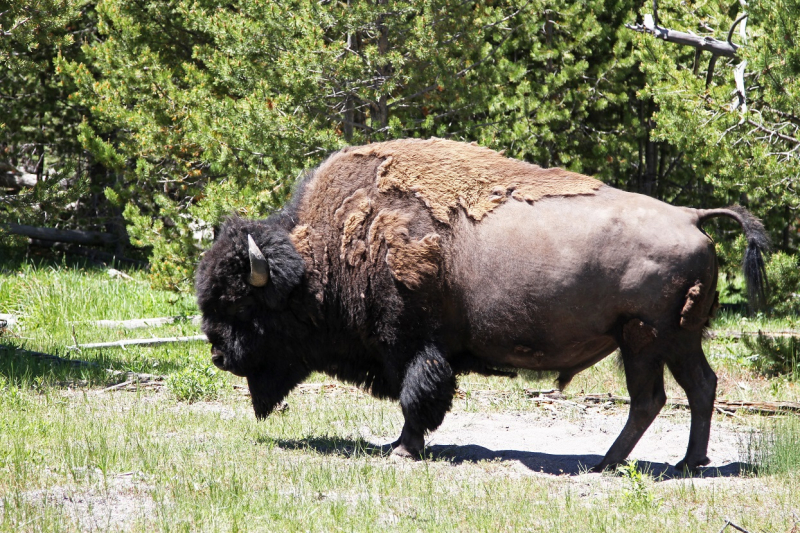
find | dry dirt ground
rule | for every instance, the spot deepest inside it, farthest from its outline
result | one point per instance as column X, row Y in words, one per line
column 569, row 439
column 570, row 442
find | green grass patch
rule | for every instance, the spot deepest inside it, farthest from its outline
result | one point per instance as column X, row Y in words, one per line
column 196, row 382
column 773, row 448
column 190, row 456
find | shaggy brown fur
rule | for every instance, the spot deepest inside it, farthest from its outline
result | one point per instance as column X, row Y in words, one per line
column 446, row 174
column 695, row 314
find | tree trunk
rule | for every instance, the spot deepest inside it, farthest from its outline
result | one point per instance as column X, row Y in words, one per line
column 649, row 174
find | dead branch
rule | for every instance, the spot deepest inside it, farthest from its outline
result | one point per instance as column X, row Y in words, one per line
column 772, row 133
column 707, row 44
column 137, row 342
column 134, row 385
column 129, row 377
column 138, row 323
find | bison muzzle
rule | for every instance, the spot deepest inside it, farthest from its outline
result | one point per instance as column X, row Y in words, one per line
column 400, row 265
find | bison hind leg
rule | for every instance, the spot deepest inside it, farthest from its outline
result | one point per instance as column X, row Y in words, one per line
column 425, row 397
column 695, row 376
column 642, row 358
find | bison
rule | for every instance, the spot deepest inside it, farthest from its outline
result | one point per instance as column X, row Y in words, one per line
column 398, row 266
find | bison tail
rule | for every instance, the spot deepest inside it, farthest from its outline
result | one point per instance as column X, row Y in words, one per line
column 758, row 245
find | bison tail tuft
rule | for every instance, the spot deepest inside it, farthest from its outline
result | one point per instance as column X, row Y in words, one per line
column 758, row 245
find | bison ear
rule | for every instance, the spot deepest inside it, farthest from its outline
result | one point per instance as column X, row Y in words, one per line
column 259, row 268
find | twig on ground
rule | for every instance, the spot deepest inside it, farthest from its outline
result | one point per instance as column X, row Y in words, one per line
column 137, row 381
column 734, row 526
column 119, row 385
column 137, row 342
column 726, row 412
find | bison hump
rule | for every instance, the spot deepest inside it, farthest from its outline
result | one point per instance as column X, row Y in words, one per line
column 446, row 175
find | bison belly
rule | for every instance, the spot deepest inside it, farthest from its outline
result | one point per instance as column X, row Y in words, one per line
column 549, row 286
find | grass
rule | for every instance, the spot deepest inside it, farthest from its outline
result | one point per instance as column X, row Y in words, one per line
column 772, row 448
column 191, row 457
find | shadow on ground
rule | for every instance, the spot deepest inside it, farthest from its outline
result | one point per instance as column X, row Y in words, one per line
column 24, row 368
column 553, row 464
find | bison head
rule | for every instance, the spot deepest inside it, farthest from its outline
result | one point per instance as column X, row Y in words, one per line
column 244, row 286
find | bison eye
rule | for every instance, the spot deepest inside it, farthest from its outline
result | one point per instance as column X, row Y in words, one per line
column 240, row 309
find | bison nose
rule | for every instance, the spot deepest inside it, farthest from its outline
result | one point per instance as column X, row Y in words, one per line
column 218, row 359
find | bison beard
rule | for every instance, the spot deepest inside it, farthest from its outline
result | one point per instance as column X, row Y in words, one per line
column 399, row 265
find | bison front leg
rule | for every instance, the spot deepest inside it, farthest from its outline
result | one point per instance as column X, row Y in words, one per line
column 426, row 396
column 644, row 374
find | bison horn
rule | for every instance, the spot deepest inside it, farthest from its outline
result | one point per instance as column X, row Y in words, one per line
column 259, row 269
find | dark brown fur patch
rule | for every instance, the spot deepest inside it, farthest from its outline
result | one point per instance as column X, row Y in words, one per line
column 693, row 316
column 637, row 335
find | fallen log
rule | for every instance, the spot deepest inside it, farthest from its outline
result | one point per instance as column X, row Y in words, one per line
column 15, row 178
column 137, row 342
column 138, row 323
column 769, row 408
column 7, row 321
column 739, row 334
column 61, row 235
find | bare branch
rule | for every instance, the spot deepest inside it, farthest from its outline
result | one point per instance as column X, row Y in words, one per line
column 14, row 27
column 733, row 27
column 773, row 133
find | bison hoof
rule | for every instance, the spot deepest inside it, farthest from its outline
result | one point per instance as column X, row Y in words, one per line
column 400, row 451
column 602, row 466
column 692, row 466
